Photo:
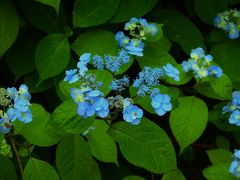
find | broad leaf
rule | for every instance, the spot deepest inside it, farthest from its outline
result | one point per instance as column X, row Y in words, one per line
column 189, row 120
column 175, row 174
column 54, row 3
column 134, row 8
column 38, row 169
column 8, row 25
column 39, row 131
column 218, row 171
column 145, row 145
column 226, row 54
column 97, row 42
column 180, row 29
column 93, row 12
column 208, row 9
column 73, row 158
column 7, row 169
column 217, row 156
column 102, row 145
column 52, row 56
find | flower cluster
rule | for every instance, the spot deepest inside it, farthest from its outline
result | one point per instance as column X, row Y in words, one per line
column 150, row 77
column 201, row 64
column 111, row 63
column 15, row 105
column 235, row 165
column 119, row 84
column 138, row 30
column 234, row 109
column 90, row 102
column 229, row 21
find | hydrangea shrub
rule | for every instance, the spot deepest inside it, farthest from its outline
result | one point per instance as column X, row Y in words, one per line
column 119, row 89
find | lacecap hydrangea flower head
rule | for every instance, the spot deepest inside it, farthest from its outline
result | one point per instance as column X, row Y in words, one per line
column 201, row 65
column 91, row 101
column 138, row 30
column 229, row 21
column 14, row 105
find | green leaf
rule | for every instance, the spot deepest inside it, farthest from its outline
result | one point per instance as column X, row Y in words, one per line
column 222, row 86
column 65, row 118
column 20, row 57
column 145, row 101
column 38, row 169
column 97, row 42
column 155, row 57
column 44, row 17
column 226, row 54
column 134, row 8
column 175, row 174
column 52, row 56
column 39, row 131
column 7, row 169
column 216, row 88
column 141, row 145
column 93, row 12
column 133, row 178
column 73, row 158
column 101, row 75
column 208, row 9
column 180, row 29
column 31, row 80
column 189, row 120
column 217, row 156
column 222, row 142
column 9, row 23
column 102, row 145
column 54, row 3
column 218, row 171
column 163, row 44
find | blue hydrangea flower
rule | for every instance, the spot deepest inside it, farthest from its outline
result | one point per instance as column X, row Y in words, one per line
column 215, row 71
column 235, row 168
column 90, row 102
column 235, row 118
column 235, row 165
column 71, row 76
column 85, row 109
column 13, row 114
column 197, row 53
column 101, row 107
column 171, row 71
column 132, row 114
column 82, row 64
column 161, row 103
column 13, row 93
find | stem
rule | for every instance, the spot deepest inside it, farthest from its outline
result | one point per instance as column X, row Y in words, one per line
column 16, row 153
